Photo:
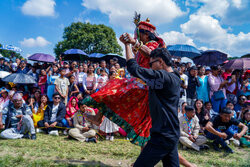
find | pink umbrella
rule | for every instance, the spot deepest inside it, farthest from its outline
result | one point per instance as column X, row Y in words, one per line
column 243, row 63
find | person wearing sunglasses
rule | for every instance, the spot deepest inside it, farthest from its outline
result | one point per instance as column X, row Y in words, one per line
column 53, row 118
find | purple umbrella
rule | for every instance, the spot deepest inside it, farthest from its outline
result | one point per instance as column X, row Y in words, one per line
column 243, row 63
column 210, row 57
column 42, row 57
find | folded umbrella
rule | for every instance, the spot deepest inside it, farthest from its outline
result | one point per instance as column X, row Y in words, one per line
column 19, row 78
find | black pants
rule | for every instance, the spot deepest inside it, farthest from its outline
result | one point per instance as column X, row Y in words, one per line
column 158, row 148
column 40, row 124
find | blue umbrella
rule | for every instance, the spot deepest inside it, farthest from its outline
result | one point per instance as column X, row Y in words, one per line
column 74, row 54
column 96, row 55
column 210, row 57
column 19, row 78
column 183, row 51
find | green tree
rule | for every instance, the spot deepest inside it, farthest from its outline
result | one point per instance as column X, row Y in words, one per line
column 90, row 38
column 9, row 54
column 246, row 55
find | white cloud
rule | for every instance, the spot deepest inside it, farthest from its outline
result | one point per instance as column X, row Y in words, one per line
column 31, row 42
column 174, row 37
column 237, row 3
column 39, row 7
column 214, row 7
column 208, row 30
column 120, row 12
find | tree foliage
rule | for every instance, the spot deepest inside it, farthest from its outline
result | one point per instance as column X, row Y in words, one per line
column 90, row 38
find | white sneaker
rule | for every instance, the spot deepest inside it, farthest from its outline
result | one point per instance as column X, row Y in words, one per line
column 54, row 133
column 107, row 137
column 65, row 132
column 111, row 138
column 39, row 130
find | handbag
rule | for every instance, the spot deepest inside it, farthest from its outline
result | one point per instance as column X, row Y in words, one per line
column 218, row 95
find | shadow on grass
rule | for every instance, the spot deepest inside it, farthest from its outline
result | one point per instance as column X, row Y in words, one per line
column 74, row 163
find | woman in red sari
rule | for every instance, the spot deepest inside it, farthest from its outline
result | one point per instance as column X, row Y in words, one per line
column 125, row 101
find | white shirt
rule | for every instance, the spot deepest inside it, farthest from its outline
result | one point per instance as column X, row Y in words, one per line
column 54, row 113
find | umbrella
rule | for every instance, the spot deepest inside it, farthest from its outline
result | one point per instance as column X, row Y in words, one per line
column 243, row 63
column 4, row 74
column 187, row 60
column 42, row 57
column 19, row 78
column 210, row 57
column 121, row 60
column 74, row 54
column 183, row 51
column 96, row 55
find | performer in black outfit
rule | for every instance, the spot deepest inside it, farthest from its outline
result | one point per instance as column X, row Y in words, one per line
column 164, row 86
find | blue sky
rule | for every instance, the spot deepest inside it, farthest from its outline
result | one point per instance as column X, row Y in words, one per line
column 37, row 25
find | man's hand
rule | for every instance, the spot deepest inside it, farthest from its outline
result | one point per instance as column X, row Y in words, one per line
column 191, row 138
column 19, row 116
column 223, row 135
column 85, row 129
column 53, row 125
column 1, row 125
column 88, row 92
column 237, row 136
column 46, row 125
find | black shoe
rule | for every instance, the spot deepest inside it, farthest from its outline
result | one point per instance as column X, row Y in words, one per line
column 216, row 147
column 26, row 136
column 228, row 150
column 93, row 139
column 204, row 147
column 33, row 136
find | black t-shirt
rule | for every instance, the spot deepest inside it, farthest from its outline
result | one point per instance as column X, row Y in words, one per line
column 164, row 94
column 223, row 126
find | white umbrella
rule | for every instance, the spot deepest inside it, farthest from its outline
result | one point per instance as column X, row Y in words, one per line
column 1, row 55
column 4, row 74
column 187, row 60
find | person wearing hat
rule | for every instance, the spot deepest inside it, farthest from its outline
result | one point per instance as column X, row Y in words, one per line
column 18, row 123
column 193, row 82
column 189, row 127
column 217, row 129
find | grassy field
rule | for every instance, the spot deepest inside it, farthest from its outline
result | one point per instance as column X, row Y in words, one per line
column 60, row 151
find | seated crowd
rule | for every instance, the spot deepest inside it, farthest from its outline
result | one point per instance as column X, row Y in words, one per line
column 214, row 103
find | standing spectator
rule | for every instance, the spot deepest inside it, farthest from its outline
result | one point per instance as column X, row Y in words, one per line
column 80, row 77
column 202, row 90
column 102, row 79
column 33, row 73
column 217, row 89
column 103, row 65
column 85, row 68
column 52, row 76
column 245, row 139
column 73, row 88
column 42, row 81
column 207, row 71
column 62, row 86
column 227, row 73
column 193, row 82
column 83, row 130
column 189, row 128
column 22, row 68
column 246, row 84
column 117, row 66
column 54, row 116
column 218, row 129
column 233, row 86
column 182, row 109
column 202, row 116
column 184, row 84
column 90, row 81
column 18, row 122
